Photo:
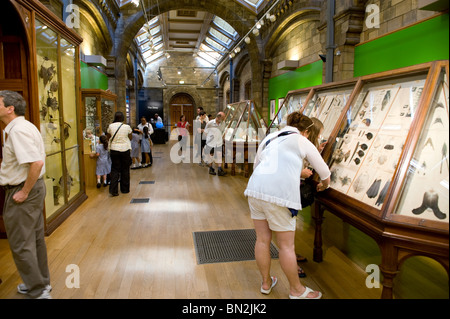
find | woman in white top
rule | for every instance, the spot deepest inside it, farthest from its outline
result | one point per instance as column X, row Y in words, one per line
column 274, row 198
column 120, row 147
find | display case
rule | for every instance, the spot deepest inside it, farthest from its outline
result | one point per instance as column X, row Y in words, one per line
column 325, row 102
column 98, row 108
column 242, row 129
column 53, row 75
column 389, row 165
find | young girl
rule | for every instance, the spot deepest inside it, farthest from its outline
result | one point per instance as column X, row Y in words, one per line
column 183, row 132
column 103, row 161
column 145, row 146
column 135, row 141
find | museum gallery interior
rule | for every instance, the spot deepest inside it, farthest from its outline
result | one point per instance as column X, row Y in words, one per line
column 374, row 72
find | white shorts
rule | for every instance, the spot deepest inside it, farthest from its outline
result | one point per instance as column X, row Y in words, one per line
column 279, row 218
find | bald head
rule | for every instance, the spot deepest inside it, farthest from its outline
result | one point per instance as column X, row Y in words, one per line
column 220, row 117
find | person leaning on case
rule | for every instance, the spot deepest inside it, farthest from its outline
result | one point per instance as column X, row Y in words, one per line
column 22, row 169
column 274, row 198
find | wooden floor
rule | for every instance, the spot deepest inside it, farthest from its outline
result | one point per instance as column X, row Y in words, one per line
column 126, row 250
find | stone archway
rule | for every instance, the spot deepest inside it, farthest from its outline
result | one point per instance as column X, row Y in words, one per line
column 241, row 20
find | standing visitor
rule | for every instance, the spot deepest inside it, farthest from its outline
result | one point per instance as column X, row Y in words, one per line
column 274, row 198
column 21, row 172
column 120, row 147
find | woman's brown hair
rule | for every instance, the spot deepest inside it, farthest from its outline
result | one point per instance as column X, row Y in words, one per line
column 299, row 121
column 314, row 131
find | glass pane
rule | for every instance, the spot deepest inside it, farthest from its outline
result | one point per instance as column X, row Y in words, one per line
column 369, row 146
column 426, row 192
column 328, row 108
column 90, row 134
column 224, row 25
column 48, row 86
column 233, row 120
column 54, row 183
column 107, row 114
column 294, row 102
column 69, row 95
column 73, row 170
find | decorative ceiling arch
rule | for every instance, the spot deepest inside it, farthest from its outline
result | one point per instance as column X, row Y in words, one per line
column 97, row 21
column 289, row 24
column 224, row 77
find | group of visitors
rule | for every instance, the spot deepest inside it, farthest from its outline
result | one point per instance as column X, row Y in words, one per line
column 207, row 138
column 272, row 190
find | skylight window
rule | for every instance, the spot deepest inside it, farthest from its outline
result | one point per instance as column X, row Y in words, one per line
column 214, row 44
column 220, row 36
column 221, row 23
column 154, row 57
column 155, row 30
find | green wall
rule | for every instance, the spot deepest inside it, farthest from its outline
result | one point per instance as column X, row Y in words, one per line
column 303, row 77
column 420, row 43
column 91, row 78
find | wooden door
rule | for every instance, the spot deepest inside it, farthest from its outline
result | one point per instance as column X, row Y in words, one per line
column 182, row 104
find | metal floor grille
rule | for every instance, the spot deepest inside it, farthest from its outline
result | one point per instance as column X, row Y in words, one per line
column 227, row 246
column 147, row 182
column 139, row 200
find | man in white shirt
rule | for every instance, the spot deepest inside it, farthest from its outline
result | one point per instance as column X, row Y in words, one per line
column 214, row 142
column 22, row 169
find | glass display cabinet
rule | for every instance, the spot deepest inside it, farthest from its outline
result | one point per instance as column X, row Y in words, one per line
column 53, row 74
column 324, row 102
column 389, row 165
column 98, row 108
column 242, row 129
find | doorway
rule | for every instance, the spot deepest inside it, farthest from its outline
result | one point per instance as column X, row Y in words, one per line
column 182, row 103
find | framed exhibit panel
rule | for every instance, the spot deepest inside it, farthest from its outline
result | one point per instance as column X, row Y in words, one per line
column 52, row 74
column 389, row 165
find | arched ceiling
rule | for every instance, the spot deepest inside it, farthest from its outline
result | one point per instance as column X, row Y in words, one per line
column 187, row 29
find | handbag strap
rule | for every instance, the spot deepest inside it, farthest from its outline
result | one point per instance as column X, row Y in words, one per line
column 279, row 135
column 115, row 133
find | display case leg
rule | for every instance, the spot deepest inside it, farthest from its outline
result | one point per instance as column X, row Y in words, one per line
column 389, row 269
column 317, row 216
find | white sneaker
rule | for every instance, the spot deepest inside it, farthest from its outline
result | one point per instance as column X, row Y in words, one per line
column 45, row 295
column 23, row 289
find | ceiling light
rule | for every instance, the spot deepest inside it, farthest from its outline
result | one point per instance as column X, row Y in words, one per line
column 272, row 18
column 255, row 32
column 258, row 26
column 135, row 2
column 181, row 82
column 247, row 40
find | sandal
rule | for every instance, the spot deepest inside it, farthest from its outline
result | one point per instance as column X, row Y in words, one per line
column 268, row 291
column 305, row 294
column 301, row 272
